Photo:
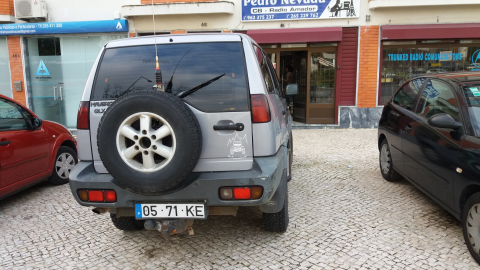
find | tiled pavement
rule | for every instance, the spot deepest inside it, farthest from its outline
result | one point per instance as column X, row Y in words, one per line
column 343, row 215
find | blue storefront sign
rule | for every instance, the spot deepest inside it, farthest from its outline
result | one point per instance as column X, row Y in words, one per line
column 50, row 28
column 267, row 10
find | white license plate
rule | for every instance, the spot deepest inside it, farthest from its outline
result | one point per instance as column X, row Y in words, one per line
column 170, row 210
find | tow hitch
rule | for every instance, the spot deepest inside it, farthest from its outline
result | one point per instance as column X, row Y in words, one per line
column 170, row 227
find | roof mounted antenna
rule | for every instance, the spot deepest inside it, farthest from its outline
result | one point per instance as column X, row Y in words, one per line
column 158, row 72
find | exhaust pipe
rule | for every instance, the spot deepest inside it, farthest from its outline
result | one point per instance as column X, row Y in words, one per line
column 100, row 211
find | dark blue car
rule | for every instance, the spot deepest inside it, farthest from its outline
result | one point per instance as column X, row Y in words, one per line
column 429, row 134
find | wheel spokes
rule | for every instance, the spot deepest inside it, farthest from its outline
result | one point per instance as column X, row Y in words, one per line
column 162, row 132
column 474, row 234
column 67, row 173
column 130, row 152
column 61, row 171
column 145, row 123
column 148, row 160
column 163, row 150
column 69, row 159
column 129, row 132
column 474, row 217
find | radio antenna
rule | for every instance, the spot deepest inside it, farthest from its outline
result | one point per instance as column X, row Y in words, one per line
column 158, row 72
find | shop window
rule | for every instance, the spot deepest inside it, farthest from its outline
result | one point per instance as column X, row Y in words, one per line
column 403, row 60
column 49, row 47
column 405, row 97
column 5, row 81
column 436, row 98
column 186, row 65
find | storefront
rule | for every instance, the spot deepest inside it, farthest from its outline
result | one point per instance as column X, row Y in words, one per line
column 57, row 60
column 321, row 61
column 408, row 51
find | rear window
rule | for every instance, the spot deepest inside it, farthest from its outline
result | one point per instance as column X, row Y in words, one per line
column 186, row 65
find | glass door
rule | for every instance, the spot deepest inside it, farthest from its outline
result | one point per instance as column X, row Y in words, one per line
column 293, row 70
column 5, row 81
column 57, row 69
column 321, row 107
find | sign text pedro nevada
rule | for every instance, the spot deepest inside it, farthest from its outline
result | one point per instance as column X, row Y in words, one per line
column 265, row 10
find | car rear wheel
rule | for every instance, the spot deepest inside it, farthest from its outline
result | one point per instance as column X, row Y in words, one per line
column 386, row 165
column 277, row 222
column 127, row 223
column 471, row 225
column 150, row 142
column 64, row 162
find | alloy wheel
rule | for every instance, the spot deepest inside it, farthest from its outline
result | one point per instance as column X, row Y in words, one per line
column 146, row 142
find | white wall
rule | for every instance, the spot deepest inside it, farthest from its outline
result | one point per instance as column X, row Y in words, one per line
column 404, row 15
column 85, row 10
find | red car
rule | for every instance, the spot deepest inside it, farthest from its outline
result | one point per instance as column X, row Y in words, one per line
column 32, row 150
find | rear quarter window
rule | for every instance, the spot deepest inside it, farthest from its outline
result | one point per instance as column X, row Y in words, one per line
column 186, row 65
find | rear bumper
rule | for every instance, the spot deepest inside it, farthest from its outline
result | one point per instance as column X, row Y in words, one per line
column 266, row 172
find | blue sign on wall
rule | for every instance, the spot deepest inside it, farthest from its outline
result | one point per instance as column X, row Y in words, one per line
column 266, row 10
column 63, row 28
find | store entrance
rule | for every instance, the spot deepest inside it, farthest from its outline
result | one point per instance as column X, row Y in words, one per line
column 313, row 70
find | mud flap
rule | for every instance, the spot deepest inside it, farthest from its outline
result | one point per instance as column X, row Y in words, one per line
column 275, row 204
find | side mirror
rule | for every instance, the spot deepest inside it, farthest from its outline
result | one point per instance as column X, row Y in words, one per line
column 36, row 123
column 292, row 89
column 444, row 120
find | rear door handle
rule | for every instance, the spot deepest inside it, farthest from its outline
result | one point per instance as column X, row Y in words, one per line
column 4, row 142
column 236, row 127
column 408, row 128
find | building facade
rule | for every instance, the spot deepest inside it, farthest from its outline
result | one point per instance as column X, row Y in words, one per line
column 346, row 56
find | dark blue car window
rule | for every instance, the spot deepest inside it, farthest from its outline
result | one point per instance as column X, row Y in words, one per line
column 130, row 68
column 472, row 95
column 436, row 98
column 405, row 96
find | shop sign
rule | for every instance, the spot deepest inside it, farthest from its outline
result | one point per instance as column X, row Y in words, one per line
column 442, row 56
column 49, row 28
column 268, row 10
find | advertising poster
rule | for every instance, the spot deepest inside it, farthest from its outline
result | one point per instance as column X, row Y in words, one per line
column 268, row 10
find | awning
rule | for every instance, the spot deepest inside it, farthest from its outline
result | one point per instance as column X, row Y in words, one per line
column 296, row 35
column 431, row 31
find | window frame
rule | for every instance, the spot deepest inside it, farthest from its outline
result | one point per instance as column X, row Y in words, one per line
column 16, row 106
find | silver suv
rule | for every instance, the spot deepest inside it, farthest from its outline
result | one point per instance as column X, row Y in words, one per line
column 205, row 131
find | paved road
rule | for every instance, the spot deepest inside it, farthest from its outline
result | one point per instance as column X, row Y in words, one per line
column 343, row 216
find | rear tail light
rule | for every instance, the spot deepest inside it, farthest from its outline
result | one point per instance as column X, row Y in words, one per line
column 97, row 195
column 260, row 109
column 82, row 117
column 241, row 193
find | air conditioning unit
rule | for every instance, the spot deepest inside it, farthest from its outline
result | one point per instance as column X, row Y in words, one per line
column 30, row 9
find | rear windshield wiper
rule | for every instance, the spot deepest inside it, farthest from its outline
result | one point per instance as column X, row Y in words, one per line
column 198, row 87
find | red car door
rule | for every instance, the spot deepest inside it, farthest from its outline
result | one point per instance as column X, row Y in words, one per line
column 24, row 152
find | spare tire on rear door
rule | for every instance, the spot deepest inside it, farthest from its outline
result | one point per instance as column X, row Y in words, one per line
column 149, row 141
